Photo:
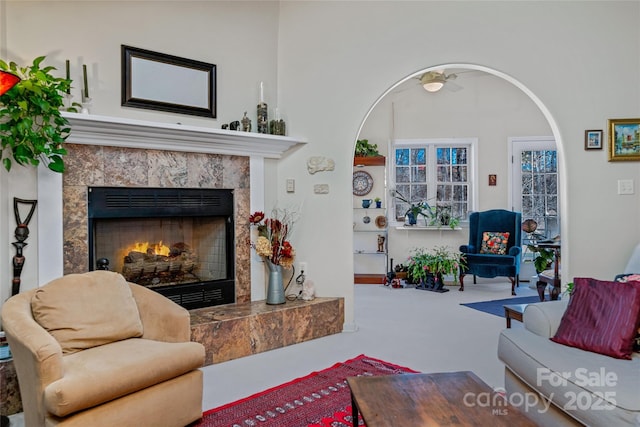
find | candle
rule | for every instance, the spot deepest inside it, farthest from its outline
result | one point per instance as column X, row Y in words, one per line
column 86, row 86
column 68, row 75
column 261, row 92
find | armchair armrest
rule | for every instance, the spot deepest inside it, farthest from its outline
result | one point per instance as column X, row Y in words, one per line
column 162, row 319
column 468, row 249
column 543, row 318
column 37, row 355
column 515, row 250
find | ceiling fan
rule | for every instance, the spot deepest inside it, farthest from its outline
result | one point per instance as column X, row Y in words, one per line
column 433, row 81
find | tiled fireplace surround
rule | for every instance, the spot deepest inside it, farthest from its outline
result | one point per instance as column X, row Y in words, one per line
column 99, row 158
column 104, row 166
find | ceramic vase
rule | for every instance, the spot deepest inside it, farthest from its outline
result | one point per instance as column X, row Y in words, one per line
column 275, row 288
column 411, row 219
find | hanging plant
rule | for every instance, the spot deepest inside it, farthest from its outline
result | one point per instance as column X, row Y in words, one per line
column 32, row 129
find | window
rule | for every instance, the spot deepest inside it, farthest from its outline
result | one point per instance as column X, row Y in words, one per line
column 535, row 175
column 436, row 171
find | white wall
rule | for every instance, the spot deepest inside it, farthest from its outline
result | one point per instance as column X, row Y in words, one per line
column 329, row 62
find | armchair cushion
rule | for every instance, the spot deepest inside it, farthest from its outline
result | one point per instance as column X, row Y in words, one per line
column 100, row 306
column 602, row 317
column 95, row 376
column 494, row 242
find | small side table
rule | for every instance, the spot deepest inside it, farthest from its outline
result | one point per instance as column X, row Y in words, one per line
column 551, row 277
column 514, row 311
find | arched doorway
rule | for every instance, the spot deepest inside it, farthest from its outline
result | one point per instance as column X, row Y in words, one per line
column 452, row 114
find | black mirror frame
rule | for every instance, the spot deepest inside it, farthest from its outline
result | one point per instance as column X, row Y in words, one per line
column 128, row 100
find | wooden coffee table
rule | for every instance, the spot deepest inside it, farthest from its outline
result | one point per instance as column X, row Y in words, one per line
column 451, row 398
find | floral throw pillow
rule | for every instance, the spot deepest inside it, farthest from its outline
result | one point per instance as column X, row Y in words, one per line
column 494, row 242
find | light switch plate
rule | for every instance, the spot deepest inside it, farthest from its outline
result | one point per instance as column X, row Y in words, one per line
column 625, row 186
column 291, row 185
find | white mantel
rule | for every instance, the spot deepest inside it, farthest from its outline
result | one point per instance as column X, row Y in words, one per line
column 91, row 129
column 122, row 132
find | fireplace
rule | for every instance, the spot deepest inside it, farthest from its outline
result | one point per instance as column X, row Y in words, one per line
column 178, row 242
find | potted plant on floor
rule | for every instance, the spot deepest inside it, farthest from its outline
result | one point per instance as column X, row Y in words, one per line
column 430, row 266
column 32, row 129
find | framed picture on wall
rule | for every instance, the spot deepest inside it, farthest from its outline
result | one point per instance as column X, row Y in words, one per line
column 593, row 139
column 624, row 139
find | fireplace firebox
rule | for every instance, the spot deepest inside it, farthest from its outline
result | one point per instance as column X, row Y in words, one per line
column 178, row 242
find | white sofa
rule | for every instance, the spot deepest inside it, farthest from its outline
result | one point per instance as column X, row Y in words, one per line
column 595, row 390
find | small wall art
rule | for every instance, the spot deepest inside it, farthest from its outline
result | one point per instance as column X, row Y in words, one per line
column 493, row 180
column 624, row 139
column 593, row 139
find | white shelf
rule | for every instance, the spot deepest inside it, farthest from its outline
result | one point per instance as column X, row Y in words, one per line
column 423, row 228
column 122, row 132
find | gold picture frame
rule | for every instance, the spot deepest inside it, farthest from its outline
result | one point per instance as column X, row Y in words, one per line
column 624, row 140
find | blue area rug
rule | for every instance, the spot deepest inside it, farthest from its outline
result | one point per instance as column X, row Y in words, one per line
column 496, row 307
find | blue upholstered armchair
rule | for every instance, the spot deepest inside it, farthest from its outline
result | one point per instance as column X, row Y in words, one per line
column 494, row 246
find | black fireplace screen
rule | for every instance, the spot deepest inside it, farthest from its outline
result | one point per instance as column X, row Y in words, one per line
column 178, row 242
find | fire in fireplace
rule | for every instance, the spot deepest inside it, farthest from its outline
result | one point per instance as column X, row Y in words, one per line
column 178, row 242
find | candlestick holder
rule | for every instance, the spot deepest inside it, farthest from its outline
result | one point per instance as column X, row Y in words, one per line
column 263, row 124
column 277, row 126
column 69, row 105
column 86, row 105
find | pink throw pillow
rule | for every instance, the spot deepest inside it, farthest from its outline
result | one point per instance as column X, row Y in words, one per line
column 602, row 317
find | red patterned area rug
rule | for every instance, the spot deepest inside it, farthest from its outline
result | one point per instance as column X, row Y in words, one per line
column 320, row 399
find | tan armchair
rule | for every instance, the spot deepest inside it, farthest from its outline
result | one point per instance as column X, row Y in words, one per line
column 93, row 350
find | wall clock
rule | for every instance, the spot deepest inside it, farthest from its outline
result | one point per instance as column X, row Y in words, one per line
column 362, row 183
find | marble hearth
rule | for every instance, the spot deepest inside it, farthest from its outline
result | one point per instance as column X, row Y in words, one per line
column 258, row 327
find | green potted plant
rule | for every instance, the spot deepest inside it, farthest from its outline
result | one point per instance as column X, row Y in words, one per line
column 569, row 289
column 543, row 258
column 364, row 149
column 443, row 217
column 32, row 129
column 378, row 201
column 431, row 265
column 415, row 209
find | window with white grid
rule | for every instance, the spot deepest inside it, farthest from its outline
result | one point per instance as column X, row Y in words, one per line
column 438, row 172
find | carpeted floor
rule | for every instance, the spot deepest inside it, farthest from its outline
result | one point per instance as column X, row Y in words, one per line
column 320, row 399
column 496, row 307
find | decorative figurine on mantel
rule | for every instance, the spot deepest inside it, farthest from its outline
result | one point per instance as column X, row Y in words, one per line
column 246, row 123
column 263, row 124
